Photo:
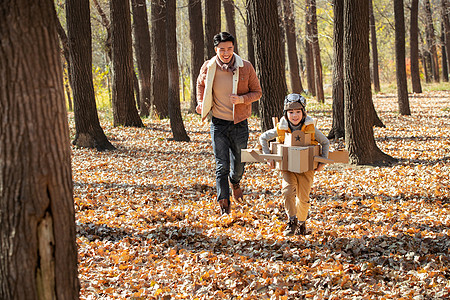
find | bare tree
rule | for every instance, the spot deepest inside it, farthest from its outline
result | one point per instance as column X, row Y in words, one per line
column 142, row 48
column 446, row 20
column 357, row 87
column 294, row 70
column 124, row 106
column 309, row 56
column 197, row 46
column 338, row 130
column 176, row 122
column 270, row 70
column 212, row 24
column 38, row 251
column 88, row 132
column 402, row 87
column 414, row 47
column 431, row 41
column 373, row 34
column 228, row 7
column 316, row 53
column 160, row 77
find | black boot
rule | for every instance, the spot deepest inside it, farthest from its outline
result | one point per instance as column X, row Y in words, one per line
column 301, row 230
column 291, row 226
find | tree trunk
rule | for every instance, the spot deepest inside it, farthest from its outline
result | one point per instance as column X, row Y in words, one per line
column 400, row 66
column 228, row 7
column 251, row 52
column 160, row 83
column 66, row 52
column 294, row 70
column 212, row 24
column 197, row 47
column 176, row 122
column 414, row 47
column 446, row 21
column 431, row 41
column 310, row 76
column 444, row 54
column 281, row 31
column 264, row 20
column 38, row 252
column 316, row 54
column 338, row 130
column 357, row 87
column 124, row 105
column 142, row 48
column 88, row 133
column 373, row 34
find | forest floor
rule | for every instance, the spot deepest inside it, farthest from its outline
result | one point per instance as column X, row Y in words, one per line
column 148, row 225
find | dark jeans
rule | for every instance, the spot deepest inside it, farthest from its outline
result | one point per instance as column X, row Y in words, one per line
column 227, row 140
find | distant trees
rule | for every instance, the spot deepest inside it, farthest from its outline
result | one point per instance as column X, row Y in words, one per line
column 212, row 24
column 414, row 47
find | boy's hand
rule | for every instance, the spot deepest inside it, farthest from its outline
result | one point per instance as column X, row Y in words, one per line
column 320, row 167
column 271, row 163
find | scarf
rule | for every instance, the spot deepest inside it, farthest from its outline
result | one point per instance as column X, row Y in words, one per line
column 231, row 66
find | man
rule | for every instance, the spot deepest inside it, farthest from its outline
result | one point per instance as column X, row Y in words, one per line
column 226, row 87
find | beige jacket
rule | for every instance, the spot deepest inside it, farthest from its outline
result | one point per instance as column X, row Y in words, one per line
column 245, row 84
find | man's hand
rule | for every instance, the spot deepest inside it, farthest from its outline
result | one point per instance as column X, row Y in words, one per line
column 199, row 107
column 236, row 99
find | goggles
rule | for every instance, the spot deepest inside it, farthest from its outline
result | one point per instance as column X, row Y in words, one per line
column 291, row 98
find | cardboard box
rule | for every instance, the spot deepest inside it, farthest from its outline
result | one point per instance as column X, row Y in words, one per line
column 339, row 156
column 298, row 159
column 273, row 146
column 313, row 151
column 250, row 155
column 282, row 150
column 297, row 138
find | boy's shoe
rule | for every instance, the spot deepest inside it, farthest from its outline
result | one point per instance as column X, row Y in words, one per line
column 301, row 230
column 236, row 191
column 225, row 206
column 291, row 226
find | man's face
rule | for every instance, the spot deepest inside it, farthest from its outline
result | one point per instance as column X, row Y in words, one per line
column 225, row 51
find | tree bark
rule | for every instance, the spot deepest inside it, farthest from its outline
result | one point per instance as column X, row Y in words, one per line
column 142, row 48
column 197, row 47
column 444, row 54
column 88, row 132
column 176, row 121
column 124, row 105
column 373, row 34
column 65, row 45
column 294, row 70
column 310, row 73
column 338, row 130
column 359, row 137
column 446, row 21
column 38, row 252
column 270, row 70
column 316, row 54
column 212, row 24
column 228, row 7
column 400, row 66
column 160, row 79
column 251, row 51
column 431, row 41
column 414, row 47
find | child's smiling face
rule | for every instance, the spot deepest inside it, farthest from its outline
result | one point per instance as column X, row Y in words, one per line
column 295, row 116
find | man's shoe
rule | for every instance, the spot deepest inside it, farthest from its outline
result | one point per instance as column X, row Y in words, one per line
column 236, row 191
column 225, row 207
column 291, row 226
column 301, row 230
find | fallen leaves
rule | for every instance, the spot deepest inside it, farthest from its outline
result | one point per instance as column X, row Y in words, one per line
column 148, row 225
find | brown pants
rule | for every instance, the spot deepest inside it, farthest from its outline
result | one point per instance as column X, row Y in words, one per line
column 296, row 188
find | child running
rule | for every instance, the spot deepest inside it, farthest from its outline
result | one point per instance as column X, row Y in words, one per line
column 296, row 186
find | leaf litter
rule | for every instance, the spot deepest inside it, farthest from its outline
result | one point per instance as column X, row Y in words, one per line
column 148, row 225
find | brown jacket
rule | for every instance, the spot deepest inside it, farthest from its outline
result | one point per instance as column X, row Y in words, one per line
column 245, row 84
